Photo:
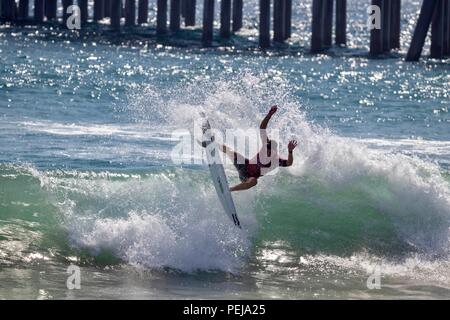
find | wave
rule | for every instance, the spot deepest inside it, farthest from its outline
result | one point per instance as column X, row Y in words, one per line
column 341, row 197
column 155, row 220
column 72, row 129
column 171, row 218
column 342, row 175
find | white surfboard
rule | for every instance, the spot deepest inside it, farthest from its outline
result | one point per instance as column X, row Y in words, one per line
column 218, row 173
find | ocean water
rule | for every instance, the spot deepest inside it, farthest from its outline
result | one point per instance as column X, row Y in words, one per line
column 87, row 177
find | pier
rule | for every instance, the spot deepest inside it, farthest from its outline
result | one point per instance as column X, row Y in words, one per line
column 328, row 18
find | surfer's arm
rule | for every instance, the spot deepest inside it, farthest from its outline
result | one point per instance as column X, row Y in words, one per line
column 247, row 184
column 265, row 122
column 286, row 162
column 290, row 159
column 266, row 119
column 291, row 146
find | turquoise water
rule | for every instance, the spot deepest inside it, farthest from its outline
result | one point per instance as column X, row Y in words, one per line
column 87, row 175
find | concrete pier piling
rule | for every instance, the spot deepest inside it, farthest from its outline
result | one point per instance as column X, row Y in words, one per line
column 130, row 13
column 279, row 23
column 116, row 14
column 225, row 19
column 322, row 24
column 175, row 15
column 66, row 4
column 380, row 39
column 51, row 7
column 38, row 11
column 317, row 26
column 447, row 28
column 99, row 8
column 437, row 31
column 328, row 23
column 208, row 22
column 161, row 17
column 341, row 23
column 421, row 30
column 23, row 9
column 8, row 11
column 107, row 8
column 83, row 4
column 184, row 4
column 264, row 23
column 288, row 20
column 143, row 12
column 376, row 35
column 238, row 7
column 386, row 24
column 189, row 19
column 395, row 24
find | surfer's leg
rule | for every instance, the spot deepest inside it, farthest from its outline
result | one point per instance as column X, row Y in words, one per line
column 236, row 157
column 233, row 155
column 247, row 184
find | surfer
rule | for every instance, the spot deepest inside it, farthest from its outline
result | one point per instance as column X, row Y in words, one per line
column 266, row 160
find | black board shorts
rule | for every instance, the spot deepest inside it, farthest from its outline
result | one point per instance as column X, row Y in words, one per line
column 242, row 170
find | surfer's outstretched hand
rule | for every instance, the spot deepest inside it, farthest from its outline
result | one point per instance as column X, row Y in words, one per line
column 273, row 109
column 292, row 144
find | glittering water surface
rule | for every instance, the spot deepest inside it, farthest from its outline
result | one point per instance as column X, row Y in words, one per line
column 86, row 171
